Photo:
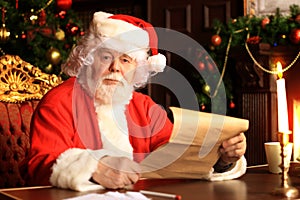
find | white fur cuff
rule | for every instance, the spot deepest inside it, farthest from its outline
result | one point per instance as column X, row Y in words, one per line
column 237, row 171
column 74, row 168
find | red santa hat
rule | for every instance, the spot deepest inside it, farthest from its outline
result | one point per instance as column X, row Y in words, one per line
column 128, row 34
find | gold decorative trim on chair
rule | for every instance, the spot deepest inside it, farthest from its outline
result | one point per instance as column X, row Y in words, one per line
column 21, row 81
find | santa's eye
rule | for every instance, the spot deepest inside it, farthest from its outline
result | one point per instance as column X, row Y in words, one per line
column 126, row 59
column 106, row 57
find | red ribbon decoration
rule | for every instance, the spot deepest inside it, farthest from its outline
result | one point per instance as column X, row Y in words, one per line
column 45, row 31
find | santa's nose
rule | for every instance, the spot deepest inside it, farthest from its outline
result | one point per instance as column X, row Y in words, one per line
column 114, row 67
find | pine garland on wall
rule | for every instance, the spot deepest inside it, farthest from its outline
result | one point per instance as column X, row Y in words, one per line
column 40, row 32
column 272, row 30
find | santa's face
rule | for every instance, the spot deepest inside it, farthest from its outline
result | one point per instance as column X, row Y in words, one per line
column 114, row 62
column 113, row 74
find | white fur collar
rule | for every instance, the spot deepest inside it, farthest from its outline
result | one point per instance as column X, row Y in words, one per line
column 114, row 130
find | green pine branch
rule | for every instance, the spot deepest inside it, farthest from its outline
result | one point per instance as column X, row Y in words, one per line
column 29, row 39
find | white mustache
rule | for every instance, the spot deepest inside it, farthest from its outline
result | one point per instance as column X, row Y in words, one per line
column 114, row 76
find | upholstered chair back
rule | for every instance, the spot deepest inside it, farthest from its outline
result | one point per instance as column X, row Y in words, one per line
column 22, row 85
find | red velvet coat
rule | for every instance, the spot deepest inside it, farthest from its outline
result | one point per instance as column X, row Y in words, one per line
column 66, row 118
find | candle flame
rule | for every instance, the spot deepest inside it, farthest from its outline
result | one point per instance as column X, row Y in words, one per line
column 279, row 70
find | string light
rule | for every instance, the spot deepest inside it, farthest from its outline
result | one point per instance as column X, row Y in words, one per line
column 43, row 8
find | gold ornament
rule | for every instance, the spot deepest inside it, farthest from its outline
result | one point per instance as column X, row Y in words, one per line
column 60, row 34
column 206, row 89
column 4, row 33
column 49, row 68
column 53, row 55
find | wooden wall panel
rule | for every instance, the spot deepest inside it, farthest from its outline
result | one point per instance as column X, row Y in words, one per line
column 216, row 10
column 86, row 8
column 257, row 107
column 179, row 18
column 193, row 18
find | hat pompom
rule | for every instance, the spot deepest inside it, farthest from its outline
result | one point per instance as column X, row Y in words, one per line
column 157, row 62
column 100, row 16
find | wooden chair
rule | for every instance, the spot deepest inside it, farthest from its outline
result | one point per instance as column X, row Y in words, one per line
column 22, row 85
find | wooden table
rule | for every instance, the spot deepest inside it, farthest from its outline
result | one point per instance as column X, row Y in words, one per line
column 256, row 184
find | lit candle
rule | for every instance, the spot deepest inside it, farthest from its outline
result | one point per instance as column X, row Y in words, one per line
column 296, row 129
column 283, row 121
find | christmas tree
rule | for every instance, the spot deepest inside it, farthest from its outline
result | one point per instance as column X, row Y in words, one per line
column 40, row 32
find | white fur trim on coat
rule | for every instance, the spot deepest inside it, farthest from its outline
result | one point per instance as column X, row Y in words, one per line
column 114, row 130
column 237, row 171
column 74, row 168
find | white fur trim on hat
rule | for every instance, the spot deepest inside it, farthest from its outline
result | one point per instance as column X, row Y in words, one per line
column 120, row 35
column 74, row 168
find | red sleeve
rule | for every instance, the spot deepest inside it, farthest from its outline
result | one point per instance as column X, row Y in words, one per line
column 160, row 125
column 65, row 118
column 148, row 124
column 52, row 131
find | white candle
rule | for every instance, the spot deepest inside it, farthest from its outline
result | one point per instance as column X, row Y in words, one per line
column 296, row 129
column 283, row 120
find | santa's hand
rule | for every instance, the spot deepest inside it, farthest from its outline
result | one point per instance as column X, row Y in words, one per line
column 116, row 172
column 233, row 149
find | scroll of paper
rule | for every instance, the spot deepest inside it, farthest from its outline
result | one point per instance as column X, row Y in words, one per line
column 193, row 146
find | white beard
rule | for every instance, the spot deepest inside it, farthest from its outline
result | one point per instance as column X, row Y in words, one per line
column 113, row 94
column 110, row 105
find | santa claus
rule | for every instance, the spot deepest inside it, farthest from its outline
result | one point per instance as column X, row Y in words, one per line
column 92, row 130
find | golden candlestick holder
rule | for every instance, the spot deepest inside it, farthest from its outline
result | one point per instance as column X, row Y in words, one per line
column 285, row 189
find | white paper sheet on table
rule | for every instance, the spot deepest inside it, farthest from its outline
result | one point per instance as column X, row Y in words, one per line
column 111, row 196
